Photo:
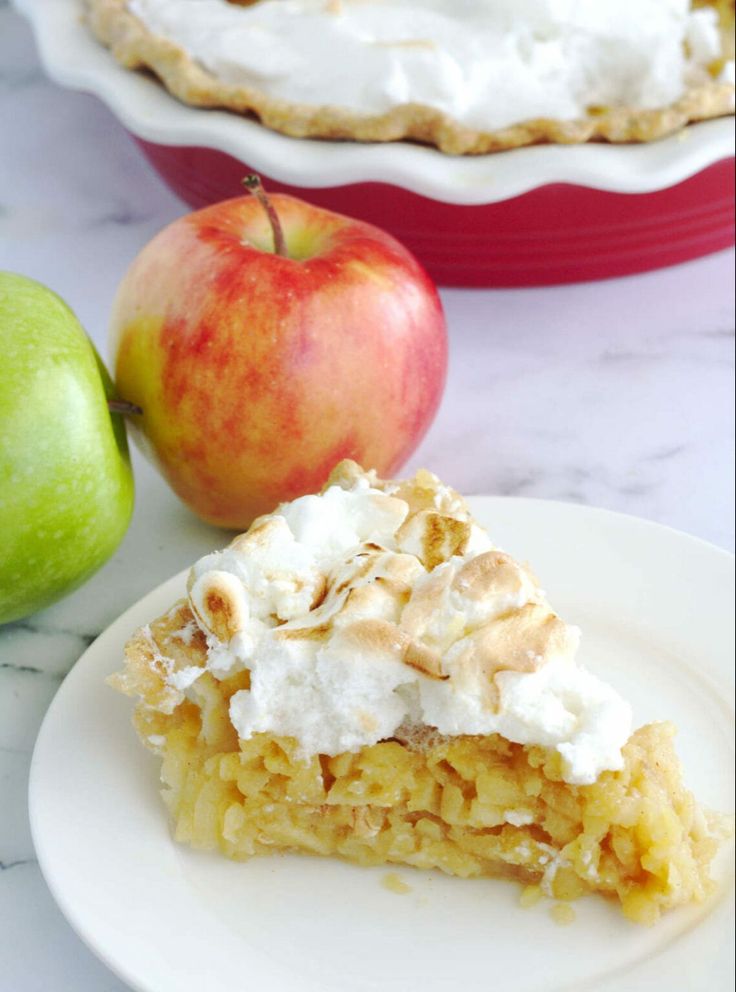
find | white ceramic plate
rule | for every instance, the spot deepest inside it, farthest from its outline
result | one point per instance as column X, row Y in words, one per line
column 73, row 58
column 656, row 610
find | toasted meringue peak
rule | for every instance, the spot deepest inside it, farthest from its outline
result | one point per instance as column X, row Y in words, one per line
column 219, row 604
column 427, row 605
column 263, row 532
column 374, row 639
column 347, row 474
column 433, row 537
column 521, row 641
column 424, row 659
column 492, row 573
column 378, row 604
column 426, row 492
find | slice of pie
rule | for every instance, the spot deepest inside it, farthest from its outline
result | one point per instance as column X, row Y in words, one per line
column 470, row 77
column 363, row 674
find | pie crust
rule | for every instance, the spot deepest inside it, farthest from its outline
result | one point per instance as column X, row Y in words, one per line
column 135, row 47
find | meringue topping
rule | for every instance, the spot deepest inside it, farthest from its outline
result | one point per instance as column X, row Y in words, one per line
column 488, row 64
column 378, row 607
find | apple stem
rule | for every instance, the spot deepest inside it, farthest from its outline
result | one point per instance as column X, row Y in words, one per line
column 254, row 185
column 124, row 408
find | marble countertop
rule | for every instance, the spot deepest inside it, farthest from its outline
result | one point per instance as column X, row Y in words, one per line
column 617, row 394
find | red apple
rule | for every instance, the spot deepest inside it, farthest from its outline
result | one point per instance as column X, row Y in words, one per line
column 258, row 371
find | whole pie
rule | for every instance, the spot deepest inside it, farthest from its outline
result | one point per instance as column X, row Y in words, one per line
column 469, row 76
column 364, row 674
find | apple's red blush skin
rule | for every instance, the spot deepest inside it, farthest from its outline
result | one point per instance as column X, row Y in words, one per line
column 257, row 373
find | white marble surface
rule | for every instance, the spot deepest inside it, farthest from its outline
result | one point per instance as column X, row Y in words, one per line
column 617, row 394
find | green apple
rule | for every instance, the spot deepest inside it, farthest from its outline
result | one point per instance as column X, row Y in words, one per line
column 66, row 487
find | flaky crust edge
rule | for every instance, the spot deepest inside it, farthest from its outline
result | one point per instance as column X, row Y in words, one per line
column 135, row 47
